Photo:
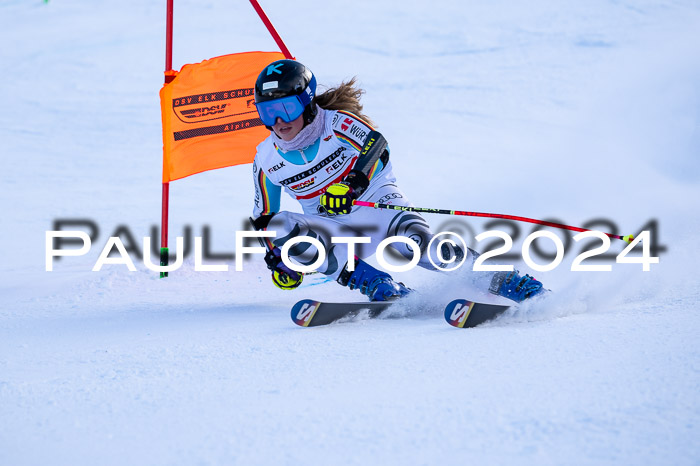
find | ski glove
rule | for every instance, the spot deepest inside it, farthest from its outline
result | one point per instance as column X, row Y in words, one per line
column 282, row 276
column 337, row 200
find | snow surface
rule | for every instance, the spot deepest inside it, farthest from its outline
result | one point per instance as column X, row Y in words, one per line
column 568, row 110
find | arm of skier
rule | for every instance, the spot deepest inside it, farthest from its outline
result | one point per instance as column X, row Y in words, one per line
column 267, row 204
column 374, row 155
column 267, row 199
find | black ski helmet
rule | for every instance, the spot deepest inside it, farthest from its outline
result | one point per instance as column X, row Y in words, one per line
column 284, row 78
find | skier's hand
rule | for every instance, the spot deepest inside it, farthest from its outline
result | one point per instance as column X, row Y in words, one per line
column 337, row 200
column 282, row 276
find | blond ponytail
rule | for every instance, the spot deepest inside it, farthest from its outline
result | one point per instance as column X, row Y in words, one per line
column 344, row 97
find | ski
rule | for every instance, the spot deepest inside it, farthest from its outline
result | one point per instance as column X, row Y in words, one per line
column 310, row 313
column 462, row 313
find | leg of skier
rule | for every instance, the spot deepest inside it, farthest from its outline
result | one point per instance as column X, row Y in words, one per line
column 445, row 254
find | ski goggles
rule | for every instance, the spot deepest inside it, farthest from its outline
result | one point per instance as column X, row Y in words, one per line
column 288, row 108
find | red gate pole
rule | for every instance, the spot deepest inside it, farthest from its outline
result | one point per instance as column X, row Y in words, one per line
column 169, row 76
column 271, row 28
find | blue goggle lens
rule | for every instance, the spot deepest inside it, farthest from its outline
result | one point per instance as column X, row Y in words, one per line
column 288, row 108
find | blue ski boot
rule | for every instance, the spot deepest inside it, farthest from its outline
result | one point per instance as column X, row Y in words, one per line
column 512, row 286
column 377, row 285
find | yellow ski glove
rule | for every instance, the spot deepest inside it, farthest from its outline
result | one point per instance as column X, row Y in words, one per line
column 337, row 200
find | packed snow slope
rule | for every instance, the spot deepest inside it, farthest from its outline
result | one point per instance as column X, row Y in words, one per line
column 564, row 110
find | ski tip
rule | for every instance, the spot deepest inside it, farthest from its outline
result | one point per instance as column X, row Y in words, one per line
column 303, row 312
column 457, row 312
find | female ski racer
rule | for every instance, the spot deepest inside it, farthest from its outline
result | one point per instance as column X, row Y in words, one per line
column 325, row 153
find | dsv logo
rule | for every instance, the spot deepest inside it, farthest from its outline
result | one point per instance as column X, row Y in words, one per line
column 203, row 111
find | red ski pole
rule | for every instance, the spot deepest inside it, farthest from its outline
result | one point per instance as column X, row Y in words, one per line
column 628, row 239
column 271, row 29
